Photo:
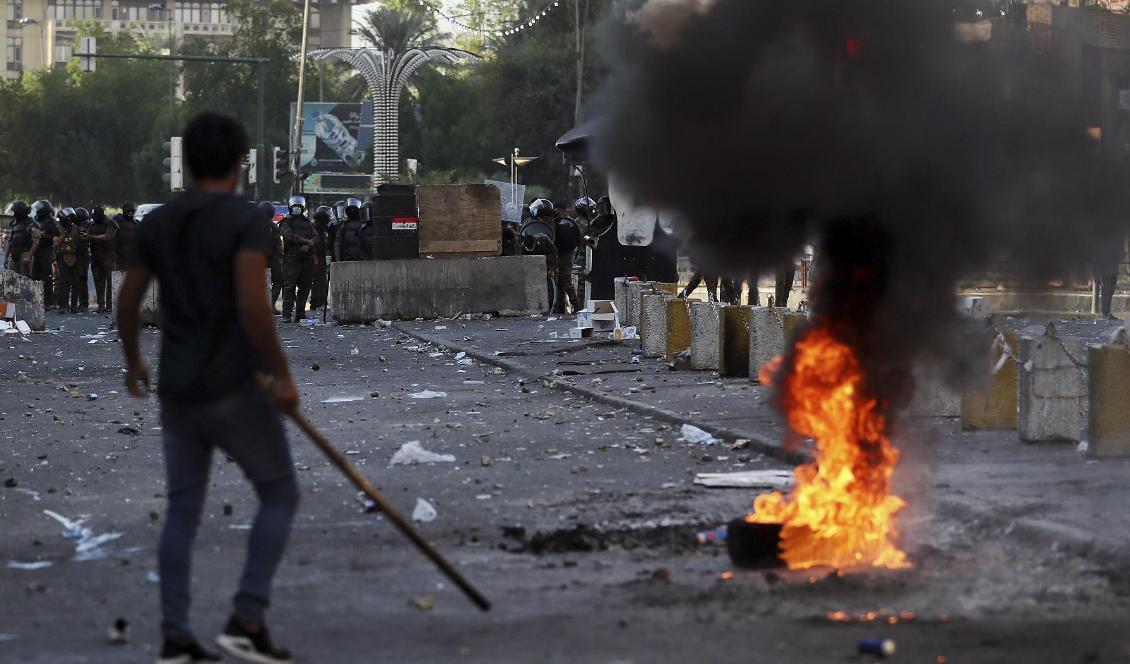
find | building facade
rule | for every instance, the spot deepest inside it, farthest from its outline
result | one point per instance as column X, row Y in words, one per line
column 41, row 33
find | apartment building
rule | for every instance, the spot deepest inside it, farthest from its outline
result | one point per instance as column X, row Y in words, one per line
column 41, row 33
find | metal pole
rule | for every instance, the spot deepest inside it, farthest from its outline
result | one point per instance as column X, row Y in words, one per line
column 261, row 153
column 296, row 139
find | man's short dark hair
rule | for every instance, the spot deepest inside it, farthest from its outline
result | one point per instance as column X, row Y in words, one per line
column 214, row 144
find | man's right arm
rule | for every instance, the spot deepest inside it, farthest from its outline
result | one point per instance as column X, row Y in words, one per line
column 258, row 323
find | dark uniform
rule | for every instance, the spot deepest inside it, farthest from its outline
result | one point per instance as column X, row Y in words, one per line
column 298, row 264
column 101, row 233
column 541, row 245
column 350, row 243
column 43, row 264
column 83, row 221
column 19, row 238
column 68, row 264
column 320, row 288
column 274, row 259
column 125, row 227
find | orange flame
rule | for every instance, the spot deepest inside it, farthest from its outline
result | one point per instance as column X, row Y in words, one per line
column 841, row 511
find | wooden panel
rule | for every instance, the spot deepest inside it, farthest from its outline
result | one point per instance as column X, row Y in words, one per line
column 460, row 218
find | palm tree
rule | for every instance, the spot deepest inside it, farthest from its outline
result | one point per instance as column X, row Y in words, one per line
column 399, row 28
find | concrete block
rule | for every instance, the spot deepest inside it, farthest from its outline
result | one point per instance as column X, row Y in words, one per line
column 636, row 293
column 766, row 337
column 733, row 340
column 705, row 334
column 653, row 324
column 27, row 295
column 620, row 297
column 633, row 291
column 678, row 326
column 150, row 311
column 364, row 291
column 994, row 405
column 1052, row 389
column 1108, row 420
column 933, row 397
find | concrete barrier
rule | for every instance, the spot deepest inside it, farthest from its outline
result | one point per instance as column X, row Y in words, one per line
column 678, row 335
column 933, row 397
column 364, row 291
column 620, row 297
column 1108, row 420
column 150, row 311
column 27, row 296
column 636, row 291
column 705, row 335
column 994, row 405
column 733, row 340
column 766, row 337
column 1052, row 389
column 653, row 324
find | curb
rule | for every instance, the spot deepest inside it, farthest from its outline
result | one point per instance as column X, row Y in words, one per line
column 1029, row 531
column 757, row 442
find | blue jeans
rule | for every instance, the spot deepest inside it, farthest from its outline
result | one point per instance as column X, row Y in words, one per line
column 249, row 429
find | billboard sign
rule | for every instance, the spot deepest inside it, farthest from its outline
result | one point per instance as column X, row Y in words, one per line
column 337, row 139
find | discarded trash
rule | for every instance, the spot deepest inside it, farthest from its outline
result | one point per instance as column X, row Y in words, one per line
column 692, row 434
column 465, row 362
column 354, row 351
column 440, row 327
column 23, row 327
column 10, row 483
column 42, row 564
column 1082, row 447
column 425, row 512
column 342, row 399
column 424, row 603
column 119, row 632
column 428, row 394
column 129, row 431
column 460, row 355
column 561, row 456
column 152, row 577
column 34, row 494
column 749, row 479
column 474, row 382
column 412, row 453
column 881, row 647
column 487, row 461
column 624, row 333
column 716, row 536
column 384, row 323
column 93, row 396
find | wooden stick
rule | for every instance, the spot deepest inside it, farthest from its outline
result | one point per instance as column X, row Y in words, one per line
column 397, row 520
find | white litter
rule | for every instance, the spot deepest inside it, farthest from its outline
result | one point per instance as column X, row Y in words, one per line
column 465, row 362
column 440, row 327
column 428, row 394
column 411, row 453
column 460, row 355
column 23, row 327
column 43, row 564
column 779, row 480
column 561, row 456
column 1082, row 447
column 89, row 545
column 5, row 325
column 694, row 435
column 354, row 351
column 342, row 399
column 424, row 512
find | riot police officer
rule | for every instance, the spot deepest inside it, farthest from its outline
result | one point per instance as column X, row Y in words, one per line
column 82, row 219
column 275, row 260
column 350, row 243
column 67, row 260
column 125, row 227
column 19, row 237
column 43, row 251
column 320, row 289
column 101, row 233
column 299, row 242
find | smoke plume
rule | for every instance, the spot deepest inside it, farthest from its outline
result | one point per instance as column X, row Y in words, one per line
column 869, row 127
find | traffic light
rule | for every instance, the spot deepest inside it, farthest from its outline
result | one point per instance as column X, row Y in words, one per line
column 281, row 164
column 174, row 163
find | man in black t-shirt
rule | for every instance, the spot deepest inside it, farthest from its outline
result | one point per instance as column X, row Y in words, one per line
column 208, row 251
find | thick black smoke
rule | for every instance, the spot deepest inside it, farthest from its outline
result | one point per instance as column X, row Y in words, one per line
column 766, row 123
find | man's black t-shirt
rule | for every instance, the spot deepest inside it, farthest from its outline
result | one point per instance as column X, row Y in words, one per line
column 189, row 245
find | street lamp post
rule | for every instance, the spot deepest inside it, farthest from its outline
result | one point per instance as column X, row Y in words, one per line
column 170, row 18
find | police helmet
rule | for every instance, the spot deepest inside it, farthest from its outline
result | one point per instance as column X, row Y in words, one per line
column 322, row 214
column 296, row 205
column 267, row 209
column 339, row 210
column 585, row 208
column 542, row 208
column 20, row 209
column 82, row 215
column 353, row 208
column 41, row 209
column 67, row 213
column 128, row 209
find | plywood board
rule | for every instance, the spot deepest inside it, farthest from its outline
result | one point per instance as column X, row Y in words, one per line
column 460, row 218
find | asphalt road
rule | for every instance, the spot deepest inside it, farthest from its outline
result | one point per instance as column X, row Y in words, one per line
column 575, row 518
